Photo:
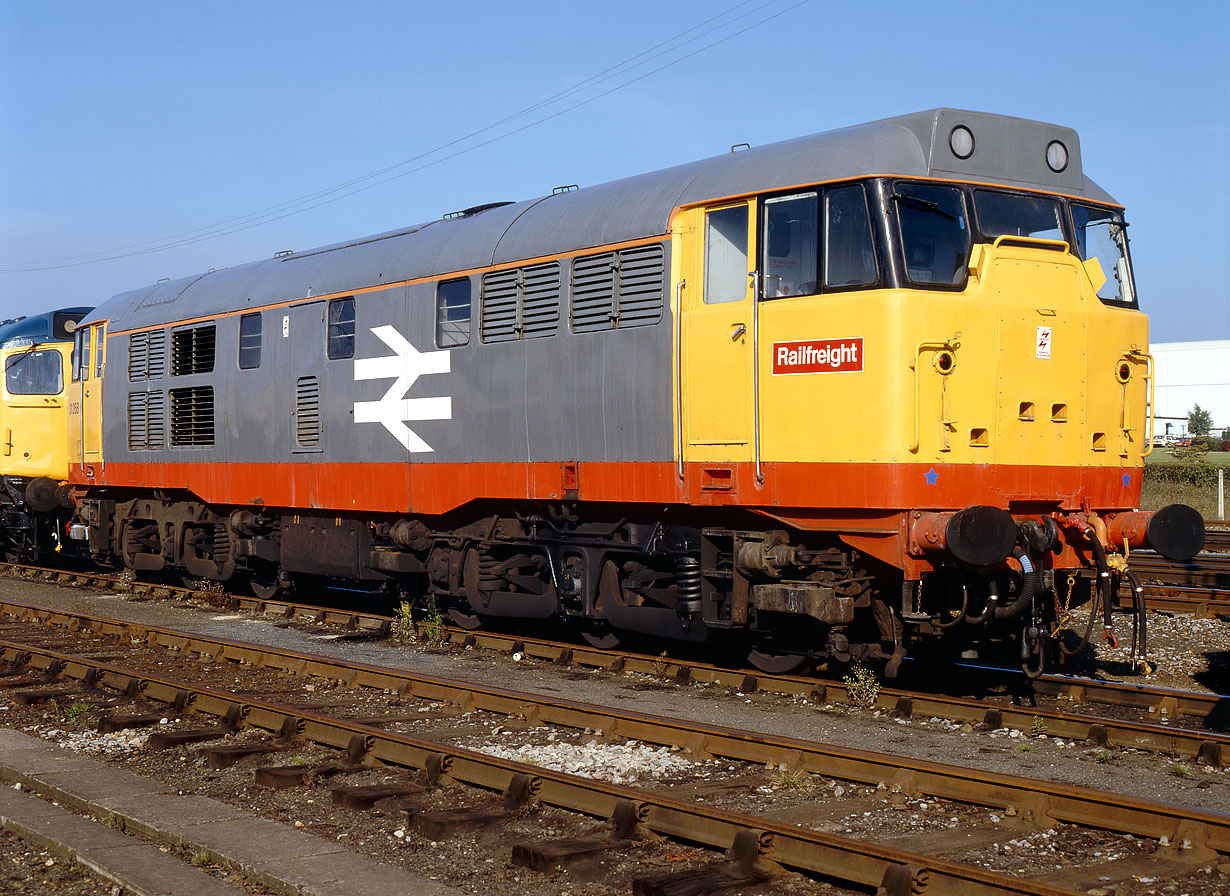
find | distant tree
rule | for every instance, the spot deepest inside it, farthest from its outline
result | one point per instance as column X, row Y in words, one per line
column 1199, row 421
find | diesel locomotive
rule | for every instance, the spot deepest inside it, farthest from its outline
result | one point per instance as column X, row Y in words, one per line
column 35, row 499
column 827, row 399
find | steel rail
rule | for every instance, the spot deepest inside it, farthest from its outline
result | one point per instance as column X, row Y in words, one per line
column 1210, row 747
column 1203, row 603
column 355, row 620
column 1057, row 801
column 817, row 852
column 1212, row 570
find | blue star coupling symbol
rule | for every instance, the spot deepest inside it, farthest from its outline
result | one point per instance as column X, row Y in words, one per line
column 1127, row 479
column 931, row 476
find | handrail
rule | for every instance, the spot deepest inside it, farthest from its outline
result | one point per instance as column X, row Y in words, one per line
column 1150, row 398
column 755, row 275
column 948, row 344
column 679, row 372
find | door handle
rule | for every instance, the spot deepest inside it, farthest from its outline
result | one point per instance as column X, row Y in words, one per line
column 736, row 331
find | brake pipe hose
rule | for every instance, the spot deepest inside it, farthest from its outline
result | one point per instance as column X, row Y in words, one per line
column 1099, row 556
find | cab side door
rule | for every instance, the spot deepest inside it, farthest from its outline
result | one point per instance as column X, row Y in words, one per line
column 716, row 334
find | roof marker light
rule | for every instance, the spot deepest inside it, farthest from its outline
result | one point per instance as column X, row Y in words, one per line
column 961, row 142
column 1056, row 156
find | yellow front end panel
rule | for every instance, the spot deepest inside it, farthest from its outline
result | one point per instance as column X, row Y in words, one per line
column 34, row 424
column 1023, row 367
column 1020, row 368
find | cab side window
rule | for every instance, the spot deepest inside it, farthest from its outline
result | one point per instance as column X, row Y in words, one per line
column 849, row 250
column 76, row 360
column 250, row 341
column 98, row 350
column 81, row 370
column 820, row 241
column 341, row 328
column 726, row 254
column 453, row 313
column 790, row 251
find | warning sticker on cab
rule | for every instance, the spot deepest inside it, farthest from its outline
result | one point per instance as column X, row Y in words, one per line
column 1043, row 345
column 818, row 356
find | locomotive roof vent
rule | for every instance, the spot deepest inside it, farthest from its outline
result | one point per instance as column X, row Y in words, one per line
column 474, row 210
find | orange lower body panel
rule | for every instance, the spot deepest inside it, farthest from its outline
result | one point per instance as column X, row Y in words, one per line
column 816, row 495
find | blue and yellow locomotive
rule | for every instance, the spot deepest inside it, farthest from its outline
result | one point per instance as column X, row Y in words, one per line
column 35, row 501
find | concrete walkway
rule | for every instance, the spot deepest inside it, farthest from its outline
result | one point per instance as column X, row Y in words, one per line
column 277, row 856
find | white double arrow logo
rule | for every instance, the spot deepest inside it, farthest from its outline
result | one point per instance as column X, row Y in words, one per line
column 394, row 410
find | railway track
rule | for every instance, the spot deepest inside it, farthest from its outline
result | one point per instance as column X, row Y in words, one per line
column 1207, row 570
column 1206, row 603
column 750, row 838
column 1217, row 540
column 1208, row 746
column 1005, row 701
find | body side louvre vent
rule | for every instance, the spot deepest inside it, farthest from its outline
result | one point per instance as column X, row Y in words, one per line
column 307, row 411
column 593, row 293
column 618, row 289
column 540, row 300
column 521, row 303
column 147, row 421
column 500, row 319
column 642, row 286
column 192, row 417
column 147, row 355
column 192, row 350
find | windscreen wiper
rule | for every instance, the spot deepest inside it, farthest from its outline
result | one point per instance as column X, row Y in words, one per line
column 925, row 205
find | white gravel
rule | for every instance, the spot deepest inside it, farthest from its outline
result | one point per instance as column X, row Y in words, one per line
column 114, row 744
column 626, row 763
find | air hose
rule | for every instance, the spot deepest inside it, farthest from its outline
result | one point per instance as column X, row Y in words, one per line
column 1029, row 587
column 1140, row 650
column 1099, row 556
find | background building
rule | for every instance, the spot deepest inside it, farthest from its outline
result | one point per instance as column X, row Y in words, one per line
column 1191, row 373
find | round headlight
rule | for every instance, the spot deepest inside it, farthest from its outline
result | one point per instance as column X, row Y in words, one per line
column 1056, row 156
column 961, row 142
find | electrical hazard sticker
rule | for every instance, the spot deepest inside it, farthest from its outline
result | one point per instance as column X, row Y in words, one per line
column 1044, row 343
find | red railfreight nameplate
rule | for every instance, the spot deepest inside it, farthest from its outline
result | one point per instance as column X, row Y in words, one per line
column 818, row 356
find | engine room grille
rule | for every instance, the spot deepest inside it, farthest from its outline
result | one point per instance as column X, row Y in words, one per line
column 147, row 355
column 618, row 289
column 499, row 313
column 307, row 411
column 192, row 350
column 147, row 420
column 540, row 300
column 521, row 303
column 192, row 417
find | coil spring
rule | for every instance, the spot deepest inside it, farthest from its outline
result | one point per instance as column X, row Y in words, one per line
column 687, row 583
column 489, row 576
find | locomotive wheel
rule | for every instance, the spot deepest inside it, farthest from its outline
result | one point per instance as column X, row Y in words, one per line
column 772, row 659
column 598, row 633
column 266, row 590
column 462, row 619
column 601, row 636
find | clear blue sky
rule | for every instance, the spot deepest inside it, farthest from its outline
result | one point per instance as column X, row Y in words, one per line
column 132, row 124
